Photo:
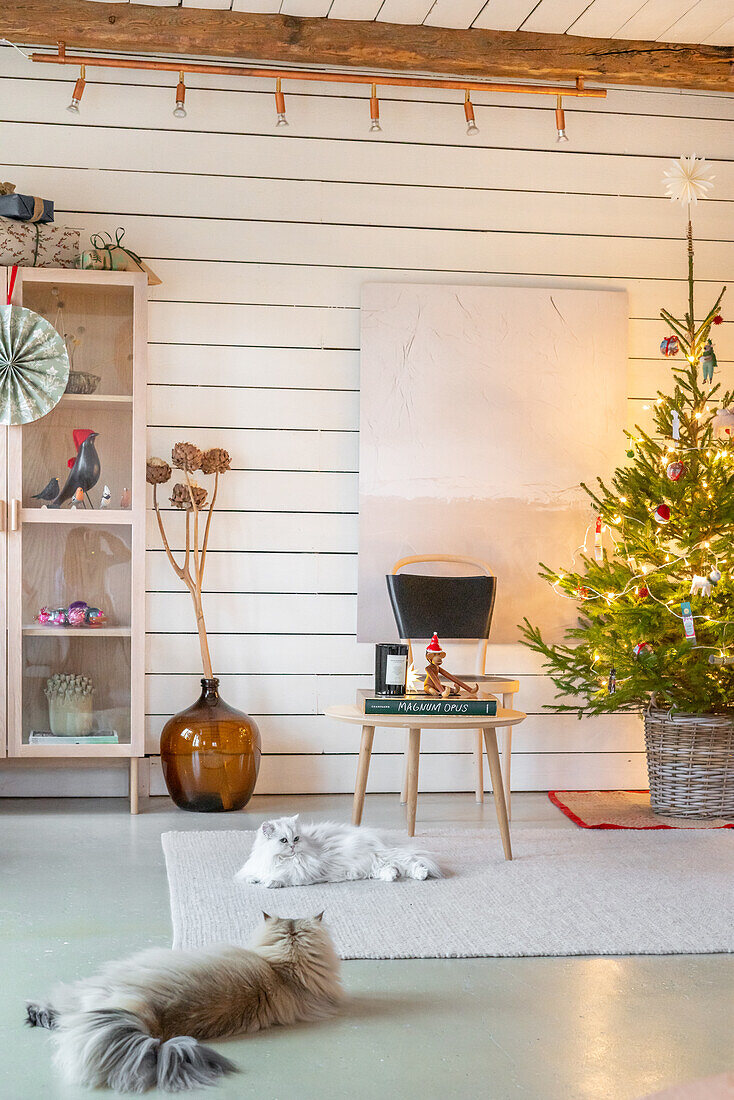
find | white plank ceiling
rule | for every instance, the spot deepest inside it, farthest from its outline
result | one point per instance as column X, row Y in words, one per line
column 707, row 21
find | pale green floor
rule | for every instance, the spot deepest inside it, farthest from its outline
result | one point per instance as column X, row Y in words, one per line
column 81, row 882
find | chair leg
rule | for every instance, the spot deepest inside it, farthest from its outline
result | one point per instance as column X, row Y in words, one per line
column 508, row 702
column 479, row 765
column 363, row 768
column 493, row 759
column 404, row 788
column 414, row 749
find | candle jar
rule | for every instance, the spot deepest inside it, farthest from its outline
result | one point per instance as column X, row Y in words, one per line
column 391, row 668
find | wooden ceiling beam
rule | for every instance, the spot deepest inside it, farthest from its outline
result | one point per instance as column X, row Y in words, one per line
column 287, row 40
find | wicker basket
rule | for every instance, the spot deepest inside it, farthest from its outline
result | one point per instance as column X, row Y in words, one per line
column 690, row 763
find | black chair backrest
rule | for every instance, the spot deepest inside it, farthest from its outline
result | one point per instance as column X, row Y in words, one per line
column 454, row 607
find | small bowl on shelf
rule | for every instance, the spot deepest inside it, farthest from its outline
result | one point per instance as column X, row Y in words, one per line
column 82, row 382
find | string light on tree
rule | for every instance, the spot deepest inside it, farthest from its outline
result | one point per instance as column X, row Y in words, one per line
column 656, row 604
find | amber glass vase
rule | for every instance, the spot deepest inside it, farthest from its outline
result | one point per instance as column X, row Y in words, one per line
column 210, row 754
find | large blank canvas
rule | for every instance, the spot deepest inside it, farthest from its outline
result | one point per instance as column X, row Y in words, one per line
column 482, row 409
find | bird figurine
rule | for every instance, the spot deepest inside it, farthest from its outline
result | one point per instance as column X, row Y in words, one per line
column 51, row 490
column 106, row 496
column 125, row 499
column 85, row 471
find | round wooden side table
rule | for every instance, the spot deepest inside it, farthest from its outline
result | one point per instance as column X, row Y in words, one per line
column 488, row 725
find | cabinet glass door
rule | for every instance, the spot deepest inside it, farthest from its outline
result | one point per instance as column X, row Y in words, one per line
column 70, row 572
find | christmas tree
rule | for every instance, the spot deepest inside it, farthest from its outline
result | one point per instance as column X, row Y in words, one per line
column 656, row 600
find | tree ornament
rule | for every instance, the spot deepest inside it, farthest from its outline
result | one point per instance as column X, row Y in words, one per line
column 676, row 470
column 612, row 684
column 715, row 576
column 723, row 423
column 643, row 592
column 669, row 346
column 688, row 627
column 708, row 361
column 718, row 319
column 700, row 586
column 598, row 549
column 675, row 424
column 661, row 513
column 641, row 651
column 721, row 660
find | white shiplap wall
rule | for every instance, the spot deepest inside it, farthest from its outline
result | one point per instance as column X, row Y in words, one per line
column 263, row 240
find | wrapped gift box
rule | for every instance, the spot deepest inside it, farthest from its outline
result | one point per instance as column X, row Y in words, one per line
column 31, row 244
column 26, row 208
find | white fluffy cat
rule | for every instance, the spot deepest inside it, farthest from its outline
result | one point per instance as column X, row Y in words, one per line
column 288, row 854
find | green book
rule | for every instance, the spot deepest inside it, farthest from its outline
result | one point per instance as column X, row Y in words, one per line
column 431, row 707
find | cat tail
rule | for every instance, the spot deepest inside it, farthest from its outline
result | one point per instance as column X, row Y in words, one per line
column 413, row 863
column 114, row 1047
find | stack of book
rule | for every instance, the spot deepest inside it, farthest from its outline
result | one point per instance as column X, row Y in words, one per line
column 428, row 706
column 100, row 737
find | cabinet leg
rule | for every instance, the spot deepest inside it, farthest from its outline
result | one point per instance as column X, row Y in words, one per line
column 414, row 750
column 134, row 778
column 363, row 769
column 493, row 759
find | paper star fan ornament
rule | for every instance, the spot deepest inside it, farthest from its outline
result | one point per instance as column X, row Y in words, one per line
column 689, row 179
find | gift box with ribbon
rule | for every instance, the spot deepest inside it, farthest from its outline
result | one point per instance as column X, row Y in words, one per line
column 26, row 208
column 109, row 255
column 33, row 244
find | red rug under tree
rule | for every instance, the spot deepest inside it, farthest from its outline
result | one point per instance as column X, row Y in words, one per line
column 624, row 810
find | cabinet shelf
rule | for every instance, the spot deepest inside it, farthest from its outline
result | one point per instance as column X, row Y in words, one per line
column 36, row 630
column 96, row 399
column 76, row 515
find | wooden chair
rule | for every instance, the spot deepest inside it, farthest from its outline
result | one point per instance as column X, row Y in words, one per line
column 456, row 608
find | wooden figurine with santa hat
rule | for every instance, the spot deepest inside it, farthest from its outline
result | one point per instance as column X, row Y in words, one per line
column 432, row 684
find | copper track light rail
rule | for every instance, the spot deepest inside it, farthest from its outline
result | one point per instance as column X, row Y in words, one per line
column 62, row 58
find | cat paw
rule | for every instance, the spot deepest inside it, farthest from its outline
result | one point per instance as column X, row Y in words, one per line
column 387, row 874
column 272, row 885
column 419, row 871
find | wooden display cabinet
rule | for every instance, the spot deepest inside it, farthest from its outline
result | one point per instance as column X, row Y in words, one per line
column 52, row 557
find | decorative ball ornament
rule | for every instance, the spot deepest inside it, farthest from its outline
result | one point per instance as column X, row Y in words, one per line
column 676, row 470
column 34, row 366
column 718, row 319
column 642, row 650
column 643, row 592
column 661, row 513
column 670, row 346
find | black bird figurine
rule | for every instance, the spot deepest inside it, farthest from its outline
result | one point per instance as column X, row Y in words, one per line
column 83, row 474
column 51, row 490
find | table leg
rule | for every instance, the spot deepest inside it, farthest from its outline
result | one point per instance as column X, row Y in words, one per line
column 133, row 784
column 363, row 768
column 479, row 764
column 404, row 788
column 493, row 759
column 508, row 702
column 414, row 749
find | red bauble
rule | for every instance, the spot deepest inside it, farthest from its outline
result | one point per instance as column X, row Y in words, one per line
column 718, row 319
column 676, row 470
column 643, row 592
column 661, row 513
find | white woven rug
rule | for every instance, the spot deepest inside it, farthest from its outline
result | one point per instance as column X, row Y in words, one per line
column 567, row 892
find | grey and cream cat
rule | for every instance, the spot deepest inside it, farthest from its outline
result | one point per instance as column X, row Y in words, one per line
column 138, row 1023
